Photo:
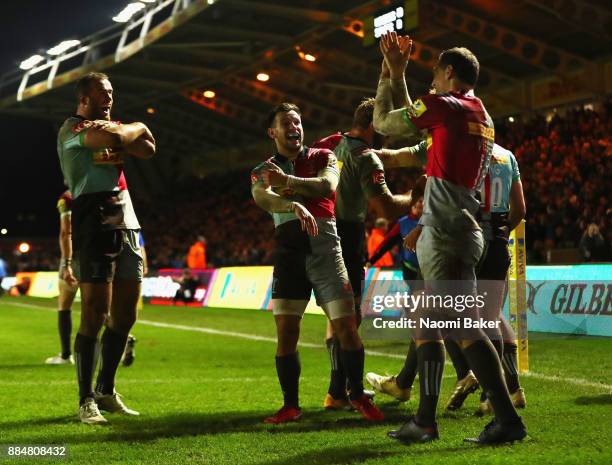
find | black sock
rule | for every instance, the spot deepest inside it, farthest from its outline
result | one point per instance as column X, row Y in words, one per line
column 498, row 344
column 511, row 366
column 456, row 355
column 486, row 366
column 64, row 323
column 431, row 366
column 353, row 361
column 84, row 351
column 113, row 346
column 405, row 379
column 337, row 381
column 288, row 369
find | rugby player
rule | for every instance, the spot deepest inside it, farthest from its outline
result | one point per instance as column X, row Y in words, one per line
column 362, row 182
column 450, row 241
column 67, row 283
column 298, row 187
column 503, row 210
column 107, row 260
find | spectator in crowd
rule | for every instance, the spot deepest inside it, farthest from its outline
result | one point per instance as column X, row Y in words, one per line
column 377, row 236
column 569, row 158
column 196, row 258
column 189, row 284
column 592, row 245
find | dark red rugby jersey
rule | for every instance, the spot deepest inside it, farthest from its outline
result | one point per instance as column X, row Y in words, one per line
column 306, row 165
column 460, row 139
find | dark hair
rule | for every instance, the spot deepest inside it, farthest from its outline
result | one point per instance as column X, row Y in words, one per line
column 364, row 114
column 284, row 107
column 464, row 63
column 83, row 84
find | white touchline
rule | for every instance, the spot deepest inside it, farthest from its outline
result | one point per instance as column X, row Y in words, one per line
column 272, row 379
column 310, row 345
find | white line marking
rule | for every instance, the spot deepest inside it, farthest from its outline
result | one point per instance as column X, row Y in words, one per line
column 563, row 379
column 374, row 353
column 272, row 379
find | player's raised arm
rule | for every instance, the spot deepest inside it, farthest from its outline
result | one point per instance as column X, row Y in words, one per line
column 396, row 52
column 323, row 185
column 143, row 147
column 388, row 120
column 374, row 185
column 406, row 157
column 118, row 136
column 271, row 202
column 391, row 206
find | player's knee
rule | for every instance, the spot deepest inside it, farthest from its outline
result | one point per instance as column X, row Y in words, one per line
column 90, row 325
column 122, row 324
column 346, row 332
column 288, row 332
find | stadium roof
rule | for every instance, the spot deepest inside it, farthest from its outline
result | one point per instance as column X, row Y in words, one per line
column 533, row 54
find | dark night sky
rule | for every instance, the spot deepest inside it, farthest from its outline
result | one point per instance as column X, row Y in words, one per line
column 30, row 178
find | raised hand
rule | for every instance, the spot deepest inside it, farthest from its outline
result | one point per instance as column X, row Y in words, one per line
column 396, row 51
column 273, row 175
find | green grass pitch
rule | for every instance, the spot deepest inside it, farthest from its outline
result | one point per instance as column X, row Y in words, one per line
column 203, row 393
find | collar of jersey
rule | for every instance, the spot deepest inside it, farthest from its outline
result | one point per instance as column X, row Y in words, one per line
column 283, row 159
column 346, row 134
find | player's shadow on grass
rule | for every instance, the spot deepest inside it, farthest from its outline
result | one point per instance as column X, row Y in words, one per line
column 23, row 366
column 47, row 421
column 356, row 453
column 603, row 399
column 360, row 452
column 122, row 428
column 143, row 429
column 321, row 420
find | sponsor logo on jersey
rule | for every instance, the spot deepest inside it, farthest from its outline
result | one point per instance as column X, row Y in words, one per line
column 378, row 176
column 497, row 159
column 416, row 109
column 108, row 157
column 477, row 129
